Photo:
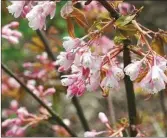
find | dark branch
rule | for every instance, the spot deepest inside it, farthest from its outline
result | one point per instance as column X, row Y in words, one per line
column 74, row 99
column 129, row 92
column 53, row 114
column 80, row 114
column 110, row 9
column 128, row 83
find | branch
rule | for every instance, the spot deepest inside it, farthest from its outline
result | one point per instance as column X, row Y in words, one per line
column 128, row 83
column 109, row 8
column 164, row 110
column 80, row 113
column 53, row 114
column 129, row 91
column 74, row 99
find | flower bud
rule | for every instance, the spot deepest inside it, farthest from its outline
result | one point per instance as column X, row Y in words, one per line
column 103, row 117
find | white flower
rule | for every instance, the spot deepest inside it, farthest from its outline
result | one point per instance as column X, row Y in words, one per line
column 118, row 72
column 154, row 81
column 36, row 18
column 16, row 8
column 133, row 69
column 109, row 82
column 38, row 14
column 86, row 59
column 70, row 43
column 65, row 60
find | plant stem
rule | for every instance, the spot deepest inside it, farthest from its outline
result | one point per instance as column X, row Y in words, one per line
column 164, row 109
column 53, row 114
column 128, row 83
column 80, row 113
column 129, row 92
column 74, row 99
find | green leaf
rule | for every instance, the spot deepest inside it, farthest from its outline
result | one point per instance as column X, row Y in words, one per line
column 124, row 20
column 119, row 38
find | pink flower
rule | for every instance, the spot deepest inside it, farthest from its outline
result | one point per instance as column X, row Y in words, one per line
column 7, row 122
column 86, row 59
column 66, row 9
column 126, row 8
column 161, row 62
column 117, row 72
column 109, row 82
column 13, row 83
column 113, row 75
column 103, row 45
column 16, row 8
column 65, row 60
column 94, row 5
column 22, row 113
column 93, row 133
column 75, row 83
column 132, row 70
column 14, row 105
column 15, row 131
column 12, row 36
column 70, row 43
column 38, row 14
column 154, row 81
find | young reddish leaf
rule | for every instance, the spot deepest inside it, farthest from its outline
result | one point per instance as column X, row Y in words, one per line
column 157, row 45
column 70, row 27
column 79, row 17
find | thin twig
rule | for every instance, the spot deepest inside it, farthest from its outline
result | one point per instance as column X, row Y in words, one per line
column 74, row 99
column 53, row 114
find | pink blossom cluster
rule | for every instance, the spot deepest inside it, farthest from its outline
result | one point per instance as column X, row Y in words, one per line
column 40, row 91
column 16, row 127
column 11, row 35
column 39, row 69
column 89, row 60
column 35, row 11
column 9, row 84
column 155, row 79
column 86, row 60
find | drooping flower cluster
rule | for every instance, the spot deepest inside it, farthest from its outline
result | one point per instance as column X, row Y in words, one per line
column 93, row 64
column 12, row 36
column 16, row 127
column 86, row 65
column 155, row 79
column 35, row 11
